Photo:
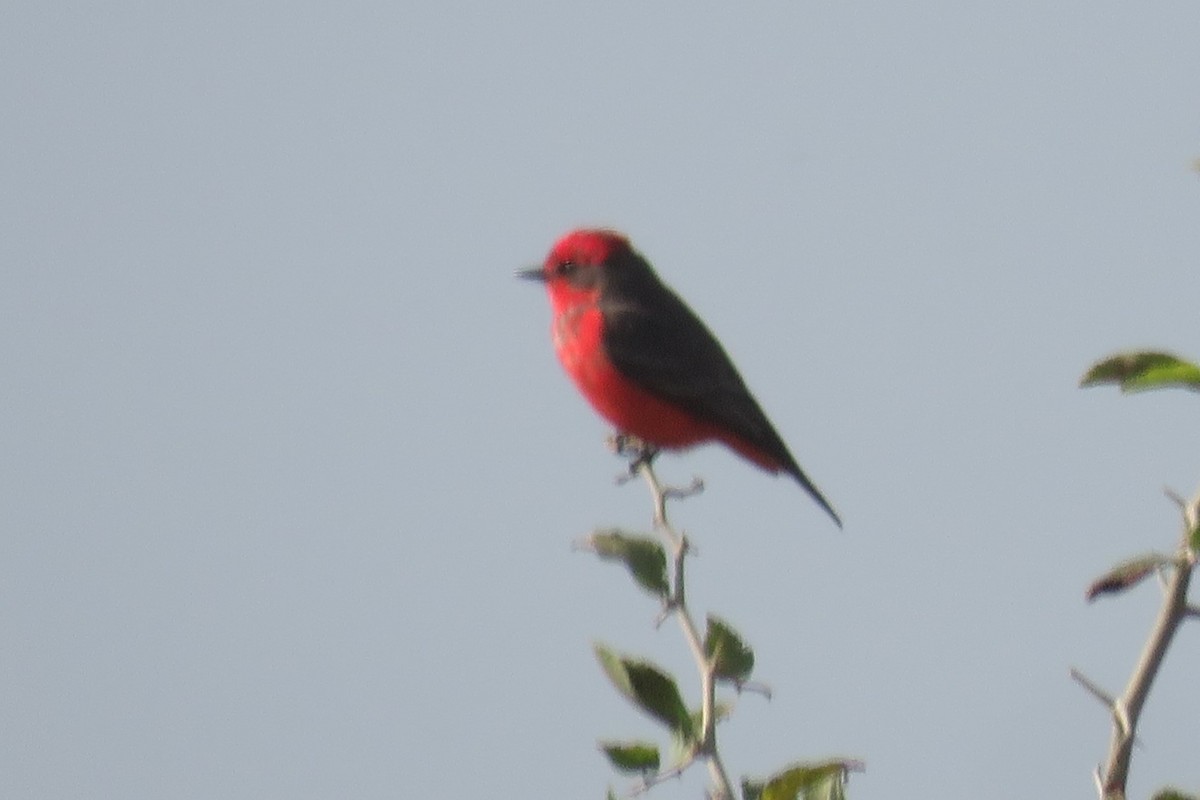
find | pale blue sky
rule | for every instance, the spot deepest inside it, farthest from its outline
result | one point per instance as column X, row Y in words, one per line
column 290, row 474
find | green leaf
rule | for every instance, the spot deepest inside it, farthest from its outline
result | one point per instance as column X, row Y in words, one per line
column 643, row 556
column 822, row 781
column 731, row 658
column 650, row 689
column 1173, row 794
column 635, row 757
column 1127, row 574
column 1140, row 371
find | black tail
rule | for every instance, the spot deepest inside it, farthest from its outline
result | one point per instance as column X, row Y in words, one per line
column 794, row 470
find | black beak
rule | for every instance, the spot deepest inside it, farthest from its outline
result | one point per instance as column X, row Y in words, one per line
column 532, row 274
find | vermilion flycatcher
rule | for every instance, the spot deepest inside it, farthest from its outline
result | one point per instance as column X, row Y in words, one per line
column 645, row 361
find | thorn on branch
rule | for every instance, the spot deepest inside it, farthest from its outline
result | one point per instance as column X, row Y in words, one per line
column 1104, row 697
column 1121, row 715
column 651, row 781
column 1175, row 497
column 670, row 605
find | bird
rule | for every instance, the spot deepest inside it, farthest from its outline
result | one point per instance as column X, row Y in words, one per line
column 646, row 362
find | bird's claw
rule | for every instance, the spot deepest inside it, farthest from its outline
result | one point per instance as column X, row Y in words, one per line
column 638, row 451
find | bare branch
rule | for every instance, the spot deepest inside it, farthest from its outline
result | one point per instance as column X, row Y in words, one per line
column 1127, row 708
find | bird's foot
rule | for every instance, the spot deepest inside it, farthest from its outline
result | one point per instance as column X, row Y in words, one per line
column 638, row 451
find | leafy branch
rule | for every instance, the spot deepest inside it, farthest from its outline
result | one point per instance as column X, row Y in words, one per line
column 1132, row 372
column 721, row 655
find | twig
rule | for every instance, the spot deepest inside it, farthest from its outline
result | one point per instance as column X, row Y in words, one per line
column 754, row 687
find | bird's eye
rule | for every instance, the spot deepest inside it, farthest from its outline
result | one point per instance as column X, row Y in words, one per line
column 566, row 267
